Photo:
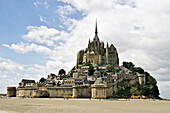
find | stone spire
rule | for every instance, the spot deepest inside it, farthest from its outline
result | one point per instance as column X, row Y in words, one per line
column 96, row 32
column 107, row 54
column 107, row 45
column 96, row 38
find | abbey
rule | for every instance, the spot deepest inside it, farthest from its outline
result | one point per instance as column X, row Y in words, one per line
column 97, row 54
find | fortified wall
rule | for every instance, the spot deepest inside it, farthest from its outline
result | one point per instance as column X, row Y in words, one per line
column 64, row 92
column 100, row 91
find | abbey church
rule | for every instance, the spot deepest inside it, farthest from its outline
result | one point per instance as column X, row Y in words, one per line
column 97, row 54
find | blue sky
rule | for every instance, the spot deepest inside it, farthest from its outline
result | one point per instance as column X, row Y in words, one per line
column 17, row 15
column 38, row 37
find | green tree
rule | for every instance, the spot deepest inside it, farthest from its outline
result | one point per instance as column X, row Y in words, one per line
column 110, row 68
column 138, row 90
column 97, row 68
column 121, row 90
column 134, row 91
column 137, row 69
column 104, row 73
column 156, row 91
column 150, row 80
column 42, row 79
column 62, row 71
column 87, row 63
column 118, row 70
column 151, row 85
column 90, row 70
column 128, row 65
column 113, row 71
column 150, row 89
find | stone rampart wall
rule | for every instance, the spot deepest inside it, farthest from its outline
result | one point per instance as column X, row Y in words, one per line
column 11, row 91
column 99, row 91
column 60, row 92
column 80, row 91
column 31, row 92
column 66, row 92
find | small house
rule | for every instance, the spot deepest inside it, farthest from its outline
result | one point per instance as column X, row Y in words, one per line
column 27, row 83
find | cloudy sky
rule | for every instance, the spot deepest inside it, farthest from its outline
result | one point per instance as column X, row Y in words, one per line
column 38, row 37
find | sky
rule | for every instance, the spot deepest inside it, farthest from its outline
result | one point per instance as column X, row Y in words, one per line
column 38, row 37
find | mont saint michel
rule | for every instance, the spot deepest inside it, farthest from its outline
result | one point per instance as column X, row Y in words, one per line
column 96, row 75
column 84, row 56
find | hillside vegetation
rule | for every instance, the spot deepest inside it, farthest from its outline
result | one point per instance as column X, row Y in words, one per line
column 150, row 89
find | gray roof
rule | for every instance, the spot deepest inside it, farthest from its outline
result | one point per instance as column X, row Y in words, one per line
column 96, row 72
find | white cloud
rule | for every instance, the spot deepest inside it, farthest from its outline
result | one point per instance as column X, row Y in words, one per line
column 8, row 66
column 66, row 10
column 164, row 87
column 3, row 76
column 71, row 23
column 42, row 35
column 35, row 3
column 131, row 3
column 11, row 73
column 46, row 5
column 26, row 47
column 41, row 3
column 42, row 19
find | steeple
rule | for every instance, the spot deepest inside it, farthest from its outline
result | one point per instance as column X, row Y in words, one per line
column 107, row 54
column 96, row 38
column 96, row 32
column 107, row 45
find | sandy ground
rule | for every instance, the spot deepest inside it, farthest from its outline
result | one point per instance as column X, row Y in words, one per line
column 59, row 105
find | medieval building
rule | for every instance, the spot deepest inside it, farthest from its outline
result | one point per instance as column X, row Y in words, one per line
column 97, row 54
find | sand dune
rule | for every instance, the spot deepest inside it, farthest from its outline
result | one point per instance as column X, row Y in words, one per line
column 59, row 105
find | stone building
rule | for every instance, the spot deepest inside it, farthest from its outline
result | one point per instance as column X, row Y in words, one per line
column 97, row 54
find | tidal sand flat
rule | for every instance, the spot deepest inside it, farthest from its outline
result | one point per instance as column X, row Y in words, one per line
column 59, row 105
